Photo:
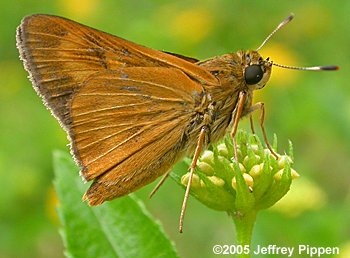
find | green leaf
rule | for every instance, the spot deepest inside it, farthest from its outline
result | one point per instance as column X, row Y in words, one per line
column 120, row 228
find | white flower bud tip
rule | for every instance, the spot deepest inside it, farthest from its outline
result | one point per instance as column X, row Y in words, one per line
column 208, row 157
column 222, row 149
column 282, row 161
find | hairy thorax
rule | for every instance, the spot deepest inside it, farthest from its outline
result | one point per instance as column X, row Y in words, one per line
column 222, row 99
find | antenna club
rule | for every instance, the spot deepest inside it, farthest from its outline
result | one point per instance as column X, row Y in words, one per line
column 329, row 68
column 290, row 17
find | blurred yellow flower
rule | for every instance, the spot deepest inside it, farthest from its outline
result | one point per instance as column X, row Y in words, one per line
column 281, row 55
column 345, row 250
column 52, row 203
column 192, row 25
column 77, row 8
column 295, row 203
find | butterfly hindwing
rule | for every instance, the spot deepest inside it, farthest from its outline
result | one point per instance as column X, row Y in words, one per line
column 127, row 130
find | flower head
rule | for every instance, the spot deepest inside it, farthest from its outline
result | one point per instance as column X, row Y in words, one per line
column 256, row 180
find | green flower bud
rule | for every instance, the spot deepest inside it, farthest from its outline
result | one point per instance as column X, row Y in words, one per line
column 247, row 178
column 295, row 174
column 254, row 148
column 196, row 181
column 205, row 168
column 268, row 152
column 217, row 181
column 279, row 174
column 223, row 160
column 208, row 157
column 241, row 167
column 247, row 160
column 256, row 170
column 222, row 149
column 282, row 161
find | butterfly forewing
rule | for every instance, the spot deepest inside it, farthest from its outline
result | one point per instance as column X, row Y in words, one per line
column 61, row 54
column 126, row 119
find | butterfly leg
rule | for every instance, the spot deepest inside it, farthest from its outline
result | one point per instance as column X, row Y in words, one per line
column 251, row 124
column 260, row 106
column 240, row 104
column 197, row 152
column 155, row 189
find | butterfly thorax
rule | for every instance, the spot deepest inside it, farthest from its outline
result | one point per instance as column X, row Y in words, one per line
column 230, row 70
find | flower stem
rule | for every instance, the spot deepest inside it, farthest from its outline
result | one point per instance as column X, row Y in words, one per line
column 244, row 229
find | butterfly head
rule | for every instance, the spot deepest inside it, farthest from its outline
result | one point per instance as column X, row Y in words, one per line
column 256, row 71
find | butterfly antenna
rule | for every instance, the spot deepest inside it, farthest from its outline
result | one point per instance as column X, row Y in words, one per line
column 287, row 20
column 312, row 68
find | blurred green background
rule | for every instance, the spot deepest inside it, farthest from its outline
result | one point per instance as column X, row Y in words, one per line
column 310, row 108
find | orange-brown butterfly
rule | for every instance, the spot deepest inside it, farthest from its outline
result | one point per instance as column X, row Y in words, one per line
column 132, row 112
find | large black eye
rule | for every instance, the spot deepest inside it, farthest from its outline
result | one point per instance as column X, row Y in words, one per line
column 253, row 74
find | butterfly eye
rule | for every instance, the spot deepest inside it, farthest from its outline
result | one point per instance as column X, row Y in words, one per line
column 253, row 74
